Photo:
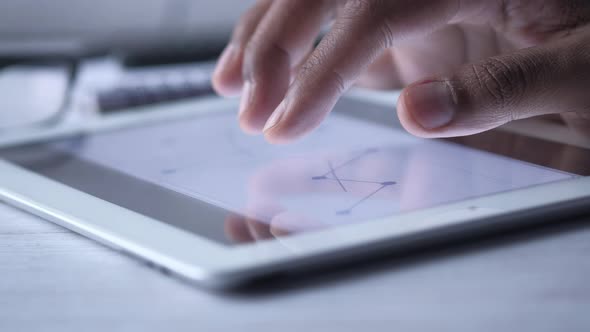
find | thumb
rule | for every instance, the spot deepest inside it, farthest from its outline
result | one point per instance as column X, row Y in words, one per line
column 534, row 81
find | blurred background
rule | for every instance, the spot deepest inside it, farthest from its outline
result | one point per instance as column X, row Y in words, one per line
column 91, row 27
column 76, row 60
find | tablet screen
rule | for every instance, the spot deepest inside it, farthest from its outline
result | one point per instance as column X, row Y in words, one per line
column 205, row 176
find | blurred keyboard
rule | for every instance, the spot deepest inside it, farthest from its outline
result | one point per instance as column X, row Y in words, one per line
column 153, row 90
column 108, row 86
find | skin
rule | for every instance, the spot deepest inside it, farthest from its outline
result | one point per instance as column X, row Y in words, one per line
column 273, row 183
column 282, row 179
column 467, row 65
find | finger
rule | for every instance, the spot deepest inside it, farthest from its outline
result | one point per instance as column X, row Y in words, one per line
column 258, row 215
column 287, row 223
column 439, row 53
column 579, row 122
column 236, row 229
column 531, row 82
column 381, row 74
column 295, row 68
column 258, row 229
column 361, row 32
column 282, row 39
column 227, row 77
column 444, row 51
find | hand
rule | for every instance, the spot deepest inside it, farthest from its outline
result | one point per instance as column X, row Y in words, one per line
column 481, row 63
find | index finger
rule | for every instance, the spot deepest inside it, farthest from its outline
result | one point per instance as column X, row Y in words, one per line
column 361, row 31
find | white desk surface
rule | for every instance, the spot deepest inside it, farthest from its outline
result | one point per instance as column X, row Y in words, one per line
column 54, row 280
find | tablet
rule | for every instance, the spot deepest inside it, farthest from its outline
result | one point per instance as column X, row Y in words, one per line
column 185, row 189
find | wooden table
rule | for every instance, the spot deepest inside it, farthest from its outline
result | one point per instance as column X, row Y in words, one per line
column 539, row 280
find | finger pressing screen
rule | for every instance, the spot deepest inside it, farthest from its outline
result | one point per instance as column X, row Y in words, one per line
column 282, row 39
column 362, row 30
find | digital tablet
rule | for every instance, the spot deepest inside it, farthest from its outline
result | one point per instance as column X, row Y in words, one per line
column 185, row 189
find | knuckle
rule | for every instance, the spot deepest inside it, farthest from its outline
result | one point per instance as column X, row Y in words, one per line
column 501, row 81
column 313, row 70
column 313, row 61
column 386, row 32
column 261, row 49
column 262, row 57
column 538, row 20
column 373, row 8
column 338, row 81
column 355, row 6
column 372, row 16
column 310, row 68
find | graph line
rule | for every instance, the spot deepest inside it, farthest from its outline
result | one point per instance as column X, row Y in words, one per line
column 332, row 176
column 350, row 161
column 333, row 172
column 359, row 202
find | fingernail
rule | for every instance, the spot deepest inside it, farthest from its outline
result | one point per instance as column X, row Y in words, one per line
column 275, row 116
column 431, row 104
column 246, row 96
column 281, row 226
column 279, row 232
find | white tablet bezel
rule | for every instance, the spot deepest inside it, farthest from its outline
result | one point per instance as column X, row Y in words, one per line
column 216, row 265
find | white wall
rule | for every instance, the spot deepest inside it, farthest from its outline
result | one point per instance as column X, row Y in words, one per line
column 73, row 26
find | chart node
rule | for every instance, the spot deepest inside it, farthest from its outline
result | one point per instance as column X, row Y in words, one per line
column 331, row 175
